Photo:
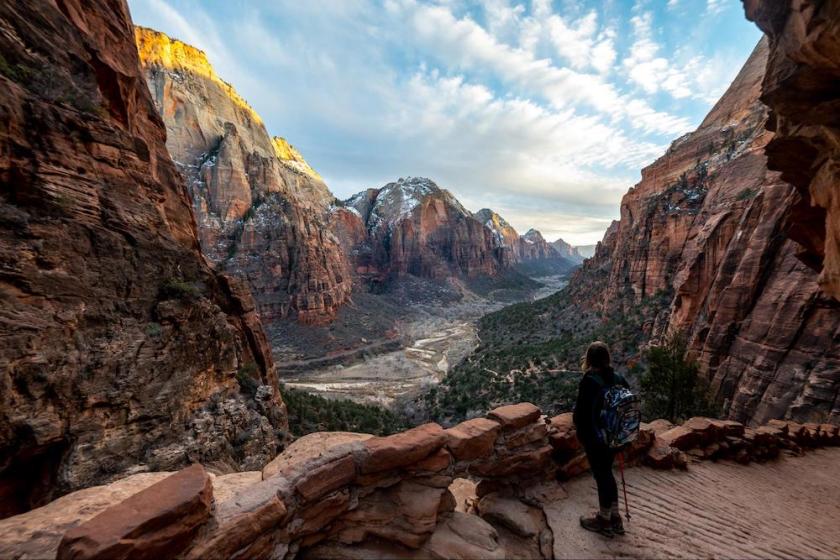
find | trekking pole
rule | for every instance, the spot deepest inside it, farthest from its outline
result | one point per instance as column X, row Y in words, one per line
column 623, row 484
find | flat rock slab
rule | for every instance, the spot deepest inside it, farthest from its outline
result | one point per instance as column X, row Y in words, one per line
column 36, row 533
column 789, row 508
column 472, row 439
column 402, row 449
column 160, row 520
column 309, row 447
column 515, row 416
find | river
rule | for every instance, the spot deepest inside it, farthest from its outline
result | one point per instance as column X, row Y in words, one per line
column 439, row 339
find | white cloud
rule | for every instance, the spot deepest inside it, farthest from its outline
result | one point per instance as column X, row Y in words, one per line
column 544, row 115
column 654, row 73
column 464, row 43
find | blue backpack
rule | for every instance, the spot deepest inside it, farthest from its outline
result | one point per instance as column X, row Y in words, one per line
column 620, row 417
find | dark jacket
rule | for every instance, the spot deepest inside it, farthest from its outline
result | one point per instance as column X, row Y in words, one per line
column 589, row 404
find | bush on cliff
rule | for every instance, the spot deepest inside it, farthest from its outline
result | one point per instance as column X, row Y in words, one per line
column 671, row 385
column 312, row 413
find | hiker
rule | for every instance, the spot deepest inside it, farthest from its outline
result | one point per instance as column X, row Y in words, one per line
column 598, row 376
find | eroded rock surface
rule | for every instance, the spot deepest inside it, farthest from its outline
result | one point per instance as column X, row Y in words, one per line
column 701, row 241
column 802, row 89
column 121, row 347
column 262, row 211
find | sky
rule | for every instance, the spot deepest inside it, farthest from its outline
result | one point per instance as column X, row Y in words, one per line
column 544, row 111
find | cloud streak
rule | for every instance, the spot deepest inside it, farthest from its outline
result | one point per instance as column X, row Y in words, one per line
column 546, row 115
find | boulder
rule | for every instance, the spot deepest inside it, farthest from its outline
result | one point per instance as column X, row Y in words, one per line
column 472, row 439
column 405, row 448
column 661, row 456
column 679, row 437
column 158, row 521
column 522, row 519
column 317, row 515
column 326, row 478
column 563, row 437
column 244, row 533
column 36, row 533
column 780, row 424
column 529, row 434
column 461, row 536
column 575, row 466
column 434, row 463
column 228, row 485
column 732, row 428
column 515, row 416
column 524, row 462
column 405, row 513
column 708, row 430
column 309, row 447
column 660, row 425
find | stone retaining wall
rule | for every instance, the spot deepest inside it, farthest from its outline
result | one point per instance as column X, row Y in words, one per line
column 339, row 495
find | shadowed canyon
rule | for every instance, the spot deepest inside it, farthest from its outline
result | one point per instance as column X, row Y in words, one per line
column 206, row 353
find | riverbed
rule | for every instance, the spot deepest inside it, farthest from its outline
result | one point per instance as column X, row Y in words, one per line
column 439, row 338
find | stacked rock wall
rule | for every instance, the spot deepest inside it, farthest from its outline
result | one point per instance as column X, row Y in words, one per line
column 341, row 495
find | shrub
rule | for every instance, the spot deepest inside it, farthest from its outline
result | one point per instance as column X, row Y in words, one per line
column 312, row 413
column 671, row 386
column 245, row 376
column 175, row 288
column 153, row 330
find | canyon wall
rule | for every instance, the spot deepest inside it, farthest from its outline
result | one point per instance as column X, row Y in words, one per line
column 802, row 89
column 262, row 211
column 122, row 350
column 705, row 231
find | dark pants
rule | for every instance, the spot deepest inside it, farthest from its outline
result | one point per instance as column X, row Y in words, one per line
column 601, row 462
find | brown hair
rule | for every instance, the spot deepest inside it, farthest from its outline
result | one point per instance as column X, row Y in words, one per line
column 597, row 357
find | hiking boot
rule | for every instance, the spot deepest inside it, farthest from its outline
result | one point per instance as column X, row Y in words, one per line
column 597, row 524
column 616, row 524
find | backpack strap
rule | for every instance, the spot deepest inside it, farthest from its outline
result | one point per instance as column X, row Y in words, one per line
column 596, row 377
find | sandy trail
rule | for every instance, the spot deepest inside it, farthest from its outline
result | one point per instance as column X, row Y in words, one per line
column 788, row 508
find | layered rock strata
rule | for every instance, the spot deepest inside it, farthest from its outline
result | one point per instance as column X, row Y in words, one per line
column 703, row 232
column 341, row 495
column 121, row 347
column 515, row 248
column 801, row 87
column 262, row 211
column 415, row 227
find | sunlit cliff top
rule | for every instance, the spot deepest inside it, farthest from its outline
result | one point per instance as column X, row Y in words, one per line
column 158, row 49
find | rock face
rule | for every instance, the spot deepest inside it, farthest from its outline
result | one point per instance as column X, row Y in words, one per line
column 415, row 227
column 802, row 89
column 262, row 211
column 514, row 248
column 120, row 345
column 703, row 232
column 567, row 251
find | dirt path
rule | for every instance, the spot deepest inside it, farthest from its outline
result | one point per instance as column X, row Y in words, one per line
column 789, row 508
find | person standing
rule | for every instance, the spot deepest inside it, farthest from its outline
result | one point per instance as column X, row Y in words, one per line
column 598, row 376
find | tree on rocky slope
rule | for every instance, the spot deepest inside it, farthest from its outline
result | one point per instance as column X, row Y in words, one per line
column 671, row 386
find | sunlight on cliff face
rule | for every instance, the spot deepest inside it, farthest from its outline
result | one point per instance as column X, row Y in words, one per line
column 158, row 49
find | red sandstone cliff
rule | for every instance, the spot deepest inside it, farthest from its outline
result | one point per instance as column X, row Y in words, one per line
column 415, row 227
column 120, row 344
column 262, row 210
column 705, row 227
column 802, row 89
